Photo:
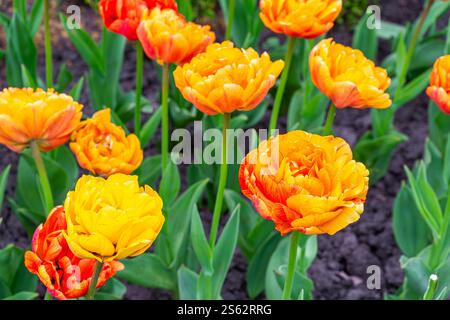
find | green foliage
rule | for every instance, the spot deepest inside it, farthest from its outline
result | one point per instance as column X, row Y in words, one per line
column 16, row 283
column 29, row 206
column 353, row 10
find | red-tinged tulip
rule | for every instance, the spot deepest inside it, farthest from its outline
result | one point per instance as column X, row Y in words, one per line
column 123, row 16
column 65, row 275
column 439, row 89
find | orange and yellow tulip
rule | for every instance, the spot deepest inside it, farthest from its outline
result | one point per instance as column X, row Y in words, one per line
column 347, row 77
column 225, row 79
column 122, row 222
column 439, row 89
column 305, row 182
column 43, row 117
column 103, row 148
column 307, row 19
column 124, row 16
column 65, row 275
column 168, row 38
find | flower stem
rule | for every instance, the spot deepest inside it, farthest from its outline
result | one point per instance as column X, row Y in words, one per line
column 48, row 46
column 282, row 86
column 46, row 189
column 431, row 289
column 291, row 266
column 93, row 285
column 412, row 47
column 165, row 116
column 222, row 182
column 328, row 128
column 231, row 6
column 139, row 72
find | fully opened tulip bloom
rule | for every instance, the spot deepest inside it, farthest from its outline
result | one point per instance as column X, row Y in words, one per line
column 168, row 38
column 123, row 16
column 439, row 89
column 300, row 18
column 103, row 148
column 43, row 117
column 112, row 219
column 65, row 275
column 225, row 79
column 347, row 77
column 305, row 182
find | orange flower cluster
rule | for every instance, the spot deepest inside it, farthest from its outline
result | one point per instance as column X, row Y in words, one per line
column 103, row 147
column 44, row 117
column 168, row 38
column 347, row 77
column 305, row 182
column 307, row 19
column 65, row 275
column 225, row 79
column 439, row 89
column 124, row 16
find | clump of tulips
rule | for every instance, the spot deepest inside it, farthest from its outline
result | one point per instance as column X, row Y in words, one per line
column 90, row 230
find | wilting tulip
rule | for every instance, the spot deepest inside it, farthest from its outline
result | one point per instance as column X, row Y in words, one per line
column 439, row 89
column 168, row 38
column 123, row 16
column 347, row 77
column 103, row 148
column 305, row 182
column 112, row 219
column 300, row 18
column 225, row 79
column 65, row 275
column 43, row 117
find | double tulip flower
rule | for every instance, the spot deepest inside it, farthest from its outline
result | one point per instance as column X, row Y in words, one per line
column 311, row 185
column 65, row 275
column 306, row 19
column 103, row 148
column 124, row 16
column 439, row 89
column 45, row 118
column 347, row 77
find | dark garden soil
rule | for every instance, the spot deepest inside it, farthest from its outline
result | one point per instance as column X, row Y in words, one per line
column 339, row 271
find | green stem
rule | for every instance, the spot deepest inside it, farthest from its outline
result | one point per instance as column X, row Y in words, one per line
column 412, row 47
column 165, row 116
column 222, row 182
column 93, row 285
column 431, row 289
column 231, row 6
column 291, row 266
column 328, row 128
column 139, row 72
column 438, row 252
column 46, row 189
column 48, row 46
column 282, row 86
